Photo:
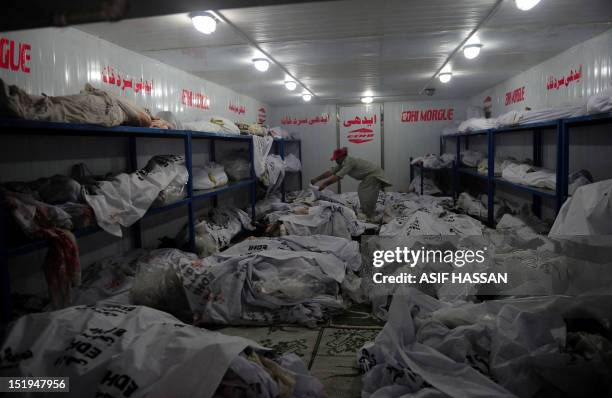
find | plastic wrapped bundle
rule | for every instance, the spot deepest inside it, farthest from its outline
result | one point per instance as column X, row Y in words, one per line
column 135, row 351
column 293, row 163
column 237, row 168
column 171, row 119
column 202, row 125
column 226, row 125
column 210, row 176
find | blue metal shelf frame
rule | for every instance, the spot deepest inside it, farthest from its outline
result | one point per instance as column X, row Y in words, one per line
column 280, row 144
column 566, row 126
column 561, row 128
column 430, row 170
column 9, row 127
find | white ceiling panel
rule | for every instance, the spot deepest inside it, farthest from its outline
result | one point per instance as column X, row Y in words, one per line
column 357, row 18
column 161, row 33
column 341, row 49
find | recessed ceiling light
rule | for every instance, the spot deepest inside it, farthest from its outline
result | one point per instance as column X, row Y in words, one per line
column 261, row 64
column 204, row 22
column 306, row 97
column 290, row 85
column 526, row 5
column 367, row 100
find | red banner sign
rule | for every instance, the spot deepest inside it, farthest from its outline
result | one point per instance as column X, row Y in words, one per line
column 237, row 109
column 195, row 100
column 322, row 119
column 138, row 86
column 361, row 135
column 428, row 115
column 515, row 96
column 15, row 56
column 555, row 83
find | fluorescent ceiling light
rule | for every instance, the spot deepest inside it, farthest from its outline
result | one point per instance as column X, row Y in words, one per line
column 306, row 97
column 261, row 64
column 526, row 5
column 367, row 100
column 290, row 85
column 204, row 22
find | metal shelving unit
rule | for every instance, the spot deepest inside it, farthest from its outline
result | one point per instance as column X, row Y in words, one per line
column 424, row 170
column 561, row 128
column 23, row 127
column 280, row 144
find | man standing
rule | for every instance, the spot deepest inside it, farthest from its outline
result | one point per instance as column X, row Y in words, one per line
column 371, row 176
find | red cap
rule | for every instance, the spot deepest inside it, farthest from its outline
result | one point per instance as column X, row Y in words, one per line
column 339, row 153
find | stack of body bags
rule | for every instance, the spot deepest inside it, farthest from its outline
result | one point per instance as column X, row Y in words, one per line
column 91, row 106
column 50, row 208
column 290, row 279
column 215, row 124
column 131, row 351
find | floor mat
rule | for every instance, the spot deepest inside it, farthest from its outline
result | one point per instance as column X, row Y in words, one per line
column 329, row 351
column 282, row 339
column 358, row 315
column 335, row 360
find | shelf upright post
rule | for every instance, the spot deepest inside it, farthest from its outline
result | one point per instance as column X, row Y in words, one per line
column 213, row 158
column 411, row 170
column 455, row 180
column 536, row 206
column 300, row 155
column 190, row 210
column 253, row 177
column 133, row 165
column 457, row 165
column 490, row 178
column 5, row 277
column 282, row 155
column 422, row 177
column 563, row 139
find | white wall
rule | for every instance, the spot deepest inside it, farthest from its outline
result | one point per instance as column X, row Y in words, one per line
column 402, row 140
column 318, row 138
column 414, row 137
column 593, row 58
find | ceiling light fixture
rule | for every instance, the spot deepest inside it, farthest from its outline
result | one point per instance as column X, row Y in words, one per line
column 290, row 85
column 446, row 74
column 526, row 5
column 471, row 51
column 367, row 100
column 306, row 97
column 472, row 47
column 261, row 64
column 204, row 22
column 445, row 77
